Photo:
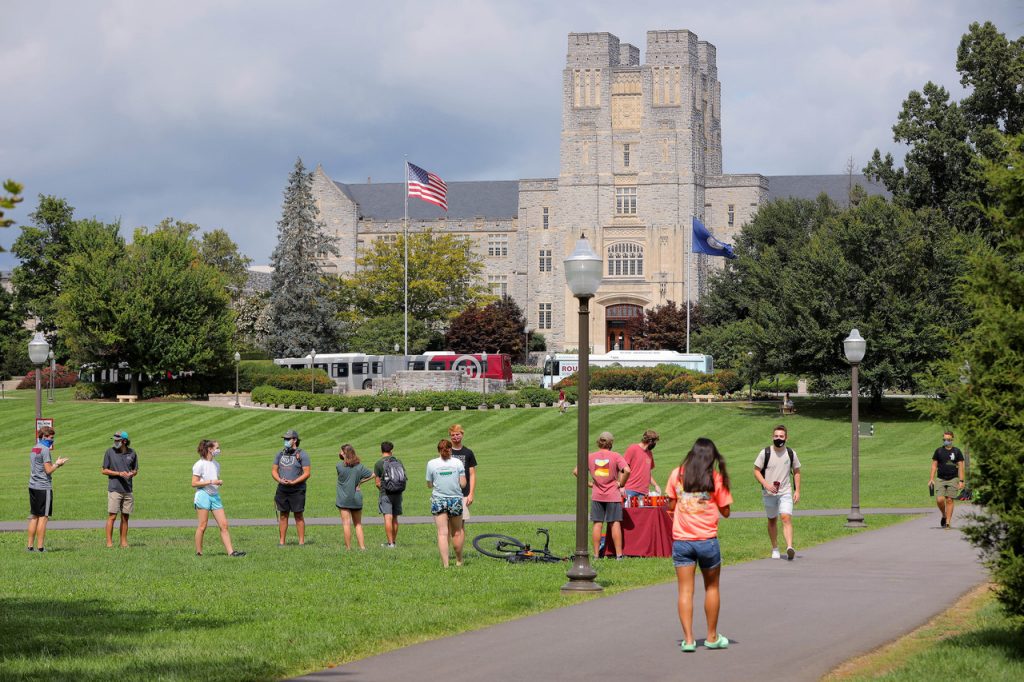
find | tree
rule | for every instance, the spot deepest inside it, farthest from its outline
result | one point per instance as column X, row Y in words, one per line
column 949, row 141
column 9, row 201
column 444, row 277
column 982, row 381
column 152, row 305
column 664, row 327
column 300, row 314
column 252, row 320
column 496, row 328
column 13, row 338
column 43, row 248
column 881, row 268
column 219, row 251
column 379, row 335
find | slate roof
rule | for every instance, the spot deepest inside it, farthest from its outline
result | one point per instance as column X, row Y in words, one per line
column 499, row 199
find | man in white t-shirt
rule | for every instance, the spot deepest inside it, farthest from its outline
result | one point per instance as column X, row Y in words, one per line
column 772, row 469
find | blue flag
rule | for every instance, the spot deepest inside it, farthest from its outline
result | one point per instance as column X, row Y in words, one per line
column 705, row 242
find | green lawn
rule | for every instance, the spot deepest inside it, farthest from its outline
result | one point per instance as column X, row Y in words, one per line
column 525, row 456
column 158, row 612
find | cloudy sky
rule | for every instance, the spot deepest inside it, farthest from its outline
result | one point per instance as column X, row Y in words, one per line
column 197, row 110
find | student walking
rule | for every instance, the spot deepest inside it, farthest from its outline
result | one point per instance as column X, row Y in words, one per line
column 120, row 466
column 446, row 476
column 775, row 463
column 697, row 495
column 207, row 482
column 390, row 479
column 608, row 472
column 291, row 470
column 948, row 467
column 468, row 459
column 349, row 499
column 40, row 487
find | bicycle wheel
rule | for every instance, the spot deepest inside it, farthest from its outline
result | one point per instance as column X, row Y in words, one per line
column 497, row 546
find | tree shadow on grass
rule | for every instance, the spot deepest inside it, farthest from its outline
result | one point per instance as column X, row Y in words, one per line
column 1006, row 640
column 94, row 640
column 834, row 409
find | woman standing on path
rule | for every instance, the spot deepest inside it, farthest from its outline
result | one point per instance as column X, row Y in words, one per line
column 446, row 476
column 206, row 480
column 349, row 500
column 697, row 494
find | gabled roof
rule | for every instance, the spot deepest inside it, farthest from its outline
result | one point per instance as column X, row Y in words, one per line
column 490, row 199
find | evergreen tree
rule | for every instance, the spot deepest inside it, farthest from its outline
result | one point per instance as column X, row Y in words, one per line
column 8, row 201
column 43, row 248
column 300, row 313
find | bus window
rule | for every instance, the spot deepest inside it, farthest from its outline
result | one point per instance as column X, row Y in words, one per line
column 359, row 368
column 416, row 364
column 375, row 367
column 434, row 364
column 342, row 370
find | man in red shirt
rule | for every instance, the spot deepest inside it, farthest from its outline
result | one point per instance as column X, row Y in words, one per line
column 640, row 459
column 608, row 472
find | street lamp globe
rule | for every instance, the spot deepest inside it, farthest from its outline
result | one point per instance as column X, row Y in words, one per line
column 854, row 346
column 583, row 269
column 38, row 349
column 238, row 356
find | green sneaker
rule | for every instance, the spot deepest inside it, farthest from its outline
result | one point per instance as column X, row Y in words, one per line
column 721, row 643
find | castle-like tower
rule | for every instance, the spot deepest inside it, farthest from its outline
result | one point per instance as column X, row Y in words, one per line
column 641, row 153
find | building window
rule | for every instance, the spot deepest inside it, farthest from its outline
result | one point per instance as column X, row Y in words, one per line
column 498, row 284
column 625, row 156
column 625, row 200
column 732, row 214
column 545, row 260
column 388, row 238
column 545, row 216
column 497, row 245
column 625, row 260
column 544, row 316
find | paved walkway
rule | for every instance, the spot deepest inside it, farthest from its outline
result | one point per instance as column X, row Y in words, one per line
column 787, row 620
column 374, row 520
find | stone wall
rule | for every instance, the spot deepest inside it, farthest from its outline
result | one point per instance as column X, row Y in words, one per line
column 438, row 380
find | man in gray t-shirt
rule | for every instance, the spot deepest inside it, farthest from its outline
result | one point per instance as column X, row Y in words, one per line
column 120, row 466
column 291, row 470
column 40, row 487
column 779, row 492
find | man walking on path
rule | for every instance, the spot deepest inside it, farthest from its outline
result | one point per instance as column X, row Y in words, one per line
column 468, row 459
column 389, row 475
column 120, row 466
column 40, row 487
column 640, row 458
column 948, row 464
column 290, row 470
column 772, row 469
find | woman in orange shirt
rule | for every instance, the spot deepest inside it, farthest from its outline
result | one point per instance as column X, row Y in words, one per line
column 697, row 495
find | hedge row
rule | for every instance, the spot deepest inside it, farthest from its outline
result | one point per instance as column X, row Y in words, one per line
column 419, row 400
column 661, row 380
column 63, row 377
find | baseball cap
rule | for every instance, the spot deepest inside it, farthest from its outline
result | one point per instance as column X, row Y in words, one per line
column 120, row 435
column 291, row 433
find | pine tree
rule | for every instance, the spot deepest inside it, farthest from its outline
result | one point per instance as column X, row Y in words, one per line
column 300, row 313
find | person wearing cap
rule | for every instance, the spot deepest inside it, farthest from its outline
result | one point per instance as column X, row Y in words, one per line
column 640, row 458
column 290, row 470
column 120, row 466
column 608, row 473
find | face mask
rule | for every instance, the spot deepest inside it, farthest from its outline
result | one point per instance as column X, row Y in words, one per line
column 779, row 442
column 48, row 442
column 947, row 443
column 117, row 445
column 216, row 453
column 650, row 446
column 287, row 445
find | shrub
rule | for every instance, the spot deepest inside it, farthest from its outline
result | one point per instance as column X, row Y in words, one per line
column 786, row 384
column 436, row 400
column 527, row 369
column 85, row 390
column 63, row 377
column 728, row 380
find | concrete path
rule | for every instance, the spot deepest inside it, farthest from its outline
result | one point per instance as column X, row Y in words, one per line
column 787, row 620
column 375, row 520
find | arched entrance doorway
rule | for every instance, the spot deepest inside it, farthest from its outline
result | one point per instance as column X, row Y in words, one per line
column 619, row 321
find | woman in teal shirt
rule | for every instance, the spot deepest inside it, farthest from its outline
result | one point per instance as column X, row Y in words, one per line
column 351, row 474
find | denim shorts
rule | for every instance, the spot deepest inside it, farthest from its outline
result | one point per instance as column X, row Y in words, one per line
column 705, row 553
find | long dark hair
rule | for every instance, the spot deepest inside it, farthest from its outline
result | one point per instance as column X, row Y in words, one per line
column 205, row 446
column 698, row 466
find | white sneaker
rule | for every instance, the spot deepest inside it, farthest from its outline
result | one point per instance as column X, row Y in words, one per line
column 775, row 553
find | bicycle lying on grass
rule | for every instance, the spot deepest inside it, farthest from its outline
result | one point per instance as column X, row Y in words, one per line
column 514, row 551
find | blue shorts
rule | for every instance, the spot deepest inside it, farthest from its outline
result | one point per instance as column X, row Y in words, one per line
column 205, row 500
column 452, row 506
column 705, row 553
column 634, row 493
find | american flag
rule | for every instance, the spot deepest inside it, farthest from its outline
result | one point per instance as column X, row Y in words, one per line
column 427, row 186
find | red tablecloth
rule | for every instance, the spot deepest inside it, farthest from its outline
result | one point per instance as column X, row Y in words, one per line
column 646, row 531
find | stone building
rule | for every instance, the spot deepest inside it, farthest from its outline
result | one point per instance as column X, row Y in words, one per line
column 641, row 153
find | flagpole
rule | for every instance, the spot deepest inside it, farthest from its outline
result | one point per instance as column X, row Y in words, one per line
column 405, row 240
column 688, row 287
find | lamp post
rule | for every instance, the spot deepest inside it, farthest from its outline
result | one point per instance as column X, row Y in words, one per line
column 38, row 350
column 854, row 347
column 53, row 370
column 312, row 379
column 238, row 359
column 483, row 373
column 583, row 270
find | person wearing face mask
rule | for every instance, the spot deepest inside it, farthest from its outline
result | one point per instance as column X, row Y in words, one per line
column 948, row 465
column 290, row 470
column 120, row 466
column 40, row 487
column 774, row 468
column 640, row 458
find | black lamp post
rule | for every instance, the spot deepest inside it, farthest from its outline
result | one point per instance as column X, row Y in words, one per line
column 238, row 359
column 38, row 351
column 854, row 347
column 583, row 269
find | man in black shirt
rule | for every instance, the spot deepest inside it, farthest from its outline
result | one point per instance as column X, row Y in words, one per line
column 947, row 477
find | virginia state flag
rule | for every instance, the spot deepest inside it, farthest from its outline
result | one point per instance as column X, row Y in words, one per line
column 705, row 242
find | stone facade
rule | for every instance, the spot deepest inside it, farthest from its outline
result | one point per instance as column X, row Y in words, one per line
column 640, row 154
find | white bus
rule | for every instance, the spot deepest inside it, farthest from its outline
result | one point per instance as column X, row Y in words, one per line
column 349, row 371
column 561, row 365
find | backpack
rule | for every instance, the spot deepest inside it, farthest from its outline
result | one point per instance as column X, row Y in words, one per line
column 393, row 479
column 767, row 456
